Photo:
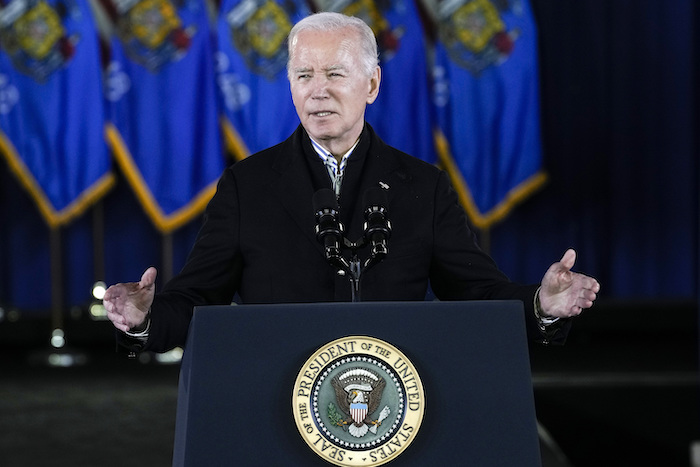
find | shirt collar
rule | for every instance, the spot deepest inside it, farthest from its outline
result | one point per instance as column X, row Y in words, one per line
column 328, row 158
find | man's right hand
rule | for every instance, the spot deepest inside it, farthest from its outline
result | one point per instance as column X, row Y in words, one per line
column 128, row 304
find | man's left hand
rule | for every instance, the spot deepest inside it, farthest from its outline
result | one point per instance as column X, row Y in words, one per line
column 565, row 293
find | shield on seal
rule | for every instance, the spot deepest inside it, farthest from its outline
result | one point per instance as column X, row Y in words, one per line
column 358, row 412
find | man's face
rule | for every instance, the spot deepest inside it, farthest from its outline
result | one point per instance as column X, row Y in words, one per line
column 330, row 88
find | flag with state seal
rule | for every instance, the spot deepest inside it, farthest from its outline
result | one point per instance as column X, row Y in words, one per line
column 163, row 116
column 402, row 113
column 51, row 109
column 257, row 108
column 486, row 99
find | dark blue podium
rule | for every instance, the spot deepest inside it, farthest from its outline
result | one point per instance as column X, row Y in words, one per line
column 241, row 362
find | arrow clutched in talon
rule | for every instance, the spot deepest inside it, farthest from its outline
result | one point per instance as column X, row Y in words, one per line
column 382, row 415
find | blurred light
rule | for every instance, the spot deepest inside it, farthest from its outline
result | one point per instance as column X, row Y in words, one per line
column 145, row 358
column 170, row 357
column 13, row 316
column 99, row 289
column 58, row 339
column 2, row 313
column 56, row 359
column 65, row 360
column 98, row 311
column 695, row 453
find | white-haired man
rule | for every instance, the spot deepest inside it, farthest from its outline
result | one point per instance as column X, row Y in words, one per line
column 258, row 238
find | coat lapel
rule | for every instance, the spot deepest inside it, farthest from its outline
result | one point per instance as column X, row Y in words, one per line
column 297, row 182
column 300, row 173
column 378, row 168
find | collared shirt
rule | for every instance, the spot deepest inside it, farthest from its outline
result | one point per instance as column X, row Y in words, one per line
column 335, row 170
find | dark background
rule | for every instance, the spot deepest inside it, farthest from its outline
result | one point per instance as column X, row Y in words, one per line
column 619, row 104
column 620, row 120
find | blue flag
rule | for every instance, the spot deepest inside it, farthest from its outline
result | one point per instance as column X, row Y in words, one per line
column 51, row 109
column 487, row 104
column 257, row 108
column 161, row 90
column 401, row 115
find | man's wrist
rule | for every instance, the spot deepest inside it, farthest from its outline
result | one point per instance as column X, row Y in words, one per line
column 142, row 330
column 542, row 320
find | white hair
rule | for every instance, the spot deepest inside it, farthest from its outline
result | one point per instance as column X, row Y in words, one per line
column 330, row 21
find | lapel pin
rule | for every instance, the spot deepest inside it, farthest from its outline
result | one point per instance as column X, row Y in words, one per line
column 384, row 185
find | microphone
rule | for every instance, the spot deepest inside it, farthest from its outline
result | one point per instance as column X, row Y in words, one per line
column 329, row 231
column 377, row 226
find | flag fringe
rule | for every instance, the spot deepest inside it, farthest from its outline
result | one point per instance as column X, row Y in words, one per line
column 234, row 142
column 499, row 212
column 165, row 223
column 55, row 218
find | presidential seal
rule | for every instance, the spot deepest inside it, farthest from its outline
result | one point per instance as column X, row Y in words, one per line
column 358, row 401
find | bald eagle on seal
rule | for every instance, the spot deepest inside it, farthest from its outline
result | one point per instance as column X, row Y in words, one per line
column 358, row 392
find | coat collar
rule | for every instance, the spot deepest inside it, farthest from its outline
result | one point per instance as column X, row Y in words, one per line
column 301, row 173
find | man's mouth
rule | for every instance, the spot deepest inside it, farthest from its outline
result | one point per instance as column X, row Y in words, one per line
column 321, row 114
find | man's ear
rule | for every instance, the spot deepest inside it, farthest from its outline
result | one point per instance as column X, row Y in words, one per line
column 374, row 82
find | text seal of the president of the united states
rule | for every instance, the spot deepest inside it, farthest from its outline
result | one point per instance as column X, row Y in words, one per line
column 358, row 401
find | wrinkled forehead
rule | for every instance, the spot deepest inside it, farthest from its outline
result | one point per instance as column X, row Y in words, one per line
column 345, row 37
column 325, row 49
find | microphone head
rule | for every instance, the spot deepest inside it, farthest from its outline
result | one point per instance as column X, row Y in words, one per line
column 324, row 199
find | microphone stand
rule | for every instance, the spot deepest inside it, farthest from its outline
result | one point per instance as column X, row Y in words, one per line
column 329, row 231
column 355, row 273
column 355, row 267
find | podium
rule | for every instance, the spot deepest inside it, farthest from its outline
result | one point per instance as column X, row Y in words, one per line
column 241, row 362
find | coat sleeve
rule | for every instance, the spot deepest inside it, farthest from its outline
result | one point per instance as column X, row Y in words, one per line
column 460, row 270
column 211, row 274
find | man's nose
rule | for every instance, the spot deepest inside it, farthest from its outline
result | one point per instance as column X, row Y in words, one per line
column 320, row 88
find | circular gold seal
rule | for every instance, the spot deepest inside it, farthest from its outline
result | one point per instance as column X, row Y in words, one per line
column 358, row 401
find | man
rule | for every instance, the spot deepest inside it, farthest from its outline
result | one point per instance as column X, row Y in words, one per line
column 258, row 238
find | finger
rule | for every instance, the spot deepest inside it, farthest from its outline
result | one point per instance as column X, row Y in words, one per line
column 585, row 282
column 149, row 277
column 588, row 297
column 115, row 317
column 111, row 293
column 568, row 259
column 118, row 321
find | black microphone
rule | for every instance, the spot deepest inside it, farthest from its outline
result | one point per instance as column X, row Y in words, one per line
column 377, row 226
column 329, row 231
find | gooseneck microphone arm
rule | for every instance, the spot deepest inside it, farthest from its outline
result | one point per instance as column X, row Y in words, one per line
column 329, row 232
column 377, row 227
